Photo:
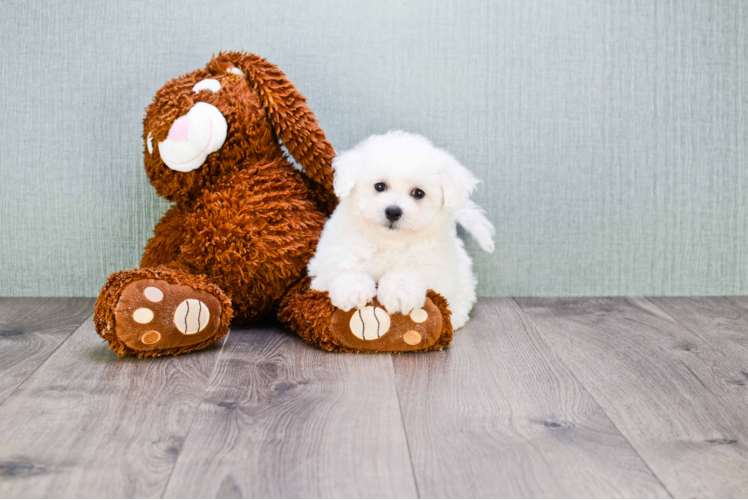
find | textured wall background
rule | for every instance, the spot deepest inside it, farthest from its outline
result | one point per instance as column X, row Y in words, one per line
column 611, row 136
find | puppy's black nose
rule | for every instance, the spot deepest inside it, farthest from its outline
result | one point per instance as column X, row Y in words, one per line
column 393, row 213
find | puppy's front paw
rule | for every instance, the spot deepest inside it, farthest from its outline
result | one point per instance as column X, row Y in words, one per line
column 349, row 291
column 401, row 292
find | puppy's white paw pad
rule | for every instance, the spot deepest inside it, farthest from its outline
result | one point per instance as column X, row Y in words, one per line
column 351, row 292
column 401, row 301
column 350, row 299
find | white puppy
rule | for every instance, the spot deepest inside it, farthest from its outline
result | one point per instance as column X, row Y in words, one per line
column 393, row 234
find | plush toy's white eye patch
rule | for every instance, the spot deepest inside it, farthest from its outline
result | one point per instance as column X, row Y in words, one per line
column 236, row 71
column 209, row 83
column 149, row 143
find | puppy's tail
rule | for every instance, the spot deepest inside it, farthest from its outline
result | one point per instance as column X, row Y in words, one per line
column 473, row 219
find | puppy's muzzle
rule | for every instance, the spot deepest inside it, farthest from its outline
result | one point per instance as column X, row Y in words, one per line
column 393, row 213
column 193, row 137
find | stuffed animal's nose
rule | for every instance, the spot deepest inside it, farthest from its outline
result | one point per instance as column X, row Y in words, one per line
column 393, row 213
column 180, row 129
column 193, row 137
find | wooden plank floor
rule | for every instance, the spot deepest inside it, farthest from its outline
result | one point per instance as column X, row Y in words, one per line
column 541, row 397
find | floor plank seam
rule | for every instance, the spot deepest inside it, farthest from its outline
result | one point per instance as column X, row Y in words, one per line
column 197, row 410
column 680, row 323
column 72, row 332
column 592, row 396
column 405, row 429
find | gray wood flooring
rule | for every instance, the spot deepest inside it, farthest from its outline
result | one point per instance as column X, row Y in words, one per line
column 537, row 397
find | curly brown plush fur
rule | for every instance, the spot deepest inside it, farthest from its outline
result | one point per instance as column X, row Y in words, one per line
column 263, row 110
column 246, row 222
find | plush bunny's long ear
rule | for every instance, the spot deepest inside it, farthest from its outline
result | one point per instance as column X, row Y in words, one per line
column 294, row 123
column 458, row 183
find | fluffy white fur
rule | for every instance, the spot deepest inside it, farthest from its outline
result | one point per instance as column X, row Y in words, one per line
column 362, row 253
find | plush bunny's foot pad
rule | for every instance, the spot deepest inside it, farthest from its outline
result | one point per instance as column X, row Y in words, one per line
column 147, row 316
column 373, row 329
column 312, row 316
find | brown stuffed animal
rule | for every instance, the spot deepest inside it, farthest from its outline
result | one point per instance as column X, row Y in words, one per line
column 243, row 226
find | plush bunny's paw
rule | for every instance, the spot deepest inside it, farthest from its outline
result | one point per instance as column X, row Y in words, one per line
column 311, row 314
column 153, row 314
column 373, row 329
column 147, row 316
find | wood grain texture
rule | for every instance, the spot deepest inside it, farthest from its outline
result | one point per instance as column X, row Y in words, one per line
column 89, row 424
column 500, row 415
column 30, row 331
column 282, row 419
column 720, row 321
column 668, row 390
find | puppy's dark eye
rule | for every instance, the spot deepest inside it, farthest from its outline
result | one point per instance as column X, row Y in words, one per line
column 380, row 186
column 417, row 194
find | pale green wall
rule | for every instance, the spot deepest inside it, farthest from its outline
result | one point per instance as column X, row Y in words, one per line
column 611, row 136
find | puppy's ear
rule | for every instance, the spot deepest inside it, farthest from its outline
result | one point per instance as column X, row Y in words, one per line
column 292, row 120
column 346, row 167
column 457, row 182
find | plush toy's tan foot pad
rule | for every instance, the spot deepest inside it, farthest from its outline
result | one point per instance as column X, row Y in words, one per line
column 371, row 329
column 153, row 314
